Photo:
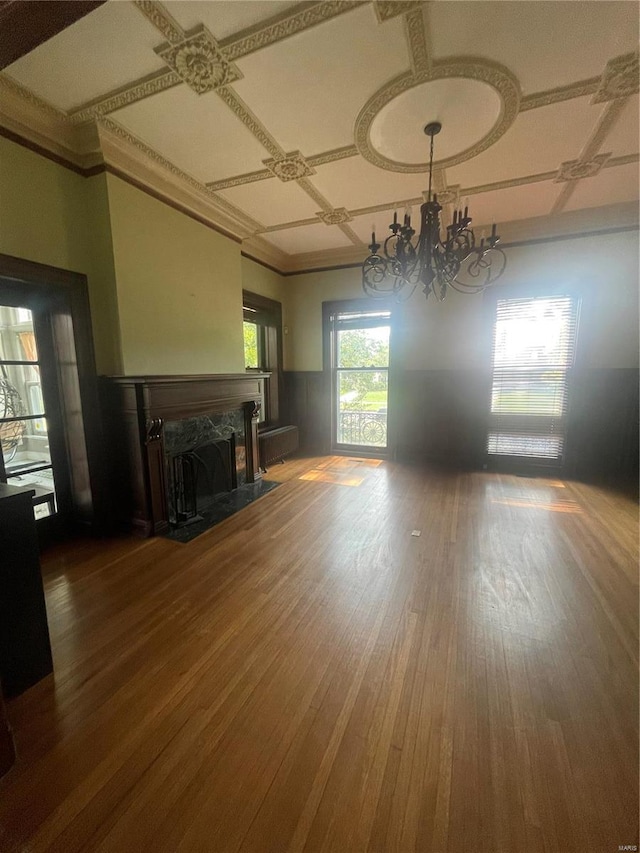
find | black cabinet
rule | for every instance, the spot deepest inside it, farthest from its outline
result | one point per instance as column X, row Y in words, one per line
column 25, row 650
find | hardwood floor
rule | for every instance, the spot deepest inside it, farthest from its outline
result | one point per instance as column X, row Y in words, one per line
column 310, row 676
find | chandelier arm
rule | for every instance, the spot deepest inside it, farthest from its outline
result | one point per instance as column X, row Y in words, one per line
column 434, row 261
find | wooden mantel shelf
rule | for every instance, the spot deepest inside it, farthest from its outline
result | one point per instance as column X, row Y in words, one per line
column 139, row 406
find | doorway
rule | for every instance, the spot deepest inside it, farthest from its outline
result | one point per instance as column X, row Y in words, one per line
column 359, row 338
column 32, row 446
column 50, row 433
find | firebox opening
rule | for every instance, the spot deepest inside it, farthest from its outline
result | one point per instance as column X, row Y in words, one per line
column 198, row 475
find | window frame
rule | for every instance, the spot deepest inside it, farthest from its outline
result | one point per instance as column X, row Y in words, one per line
column 266, row 314
column 499, row 461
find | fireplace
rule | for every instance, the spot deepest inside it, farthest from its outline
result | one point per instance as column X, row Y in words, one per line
column 179, row 442
column 205, row 458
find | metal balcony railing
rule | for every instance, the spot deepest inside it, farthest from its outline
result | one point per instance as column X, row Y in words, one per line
column 363, row 428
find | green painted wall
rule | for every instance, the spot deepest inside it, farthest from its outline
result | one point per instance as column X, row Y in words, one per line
column 179, row 288
column 53, row 216
column 452, row 334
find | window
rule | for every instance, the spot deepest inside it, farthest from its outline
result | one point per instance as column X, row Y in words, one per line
column 534, row 345
column 262, row 329
column 359, row 361
column 26, row 457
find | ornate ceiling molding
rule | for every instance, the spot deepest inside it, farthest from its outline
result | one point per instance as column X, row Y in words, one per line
column 607, row 122
column 240, row 180
column 128, row 157
column 587, row 163
column 495, row 75
column 561, row 93
column 419, row 43
column 334, row 217
column 333, row 155
column 447, row 196
column 386, row 9
column 30, row 118
column 9, row 87
column 161, row 20
column 262, row 174
column 350, row 234
column 291, row 167
column 620, row 78
column 312, row 192
column 242, row 111
column 158, row 81
column 574, row 170
column 199, row 62
column 284, row 226
column 284, row 26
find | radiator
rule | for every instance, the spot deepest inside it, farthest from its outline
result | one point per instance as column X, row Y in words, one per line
column 277, row 443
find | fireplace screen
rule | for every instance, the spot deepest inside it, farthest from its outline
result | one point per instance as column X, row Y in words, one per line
column 205, row 459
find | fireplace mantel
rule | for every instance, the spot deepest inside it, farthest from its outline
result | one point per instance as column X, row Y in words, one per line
column 139, row 406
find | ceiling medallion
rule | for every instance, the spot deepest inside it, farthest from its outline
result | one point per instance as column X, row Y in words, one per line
column 291, row 167
column 481, row 70
column 573, row 170
column 620, row 78
column 434, row 261
column 335, row 217
column 200, row 63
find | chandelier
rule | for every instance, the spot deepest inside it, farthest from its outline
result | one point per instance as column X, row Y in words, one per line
column 432, row 260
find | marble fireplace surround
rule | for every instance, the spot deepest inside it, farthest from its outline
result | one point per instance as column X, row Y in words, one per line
column 141, row 406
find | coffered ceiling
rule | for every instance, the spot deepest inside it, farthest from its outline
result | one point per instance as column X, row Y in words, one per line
column 296, row 126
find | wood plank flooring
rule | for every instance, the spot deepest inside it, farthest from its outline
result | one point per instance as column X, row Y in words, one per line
column 309, row 676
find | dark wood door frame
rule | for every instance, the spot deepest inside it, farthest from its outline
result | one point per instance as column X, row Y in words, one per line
column 61, row 297
column 362, row 304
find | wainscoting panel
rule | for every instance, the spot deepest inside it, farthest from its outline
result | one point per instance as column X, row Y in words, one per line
column 602, row 439
column 441, row 415
column 307, row 404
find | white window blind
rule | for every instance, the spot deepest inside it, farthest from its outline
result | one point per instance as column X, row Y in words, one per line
column 534, row 345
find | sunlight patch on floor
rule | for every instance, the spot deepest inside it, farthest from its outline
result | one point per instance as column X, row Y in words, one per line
column 555, row 506
column 341, row 471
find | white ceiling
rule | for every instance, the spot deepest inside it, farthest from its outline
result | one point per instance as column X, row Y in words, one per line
column 345, row 88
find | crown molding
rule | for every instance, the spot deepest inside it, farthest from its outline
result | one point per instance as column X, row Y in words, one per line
column 31, row 118
column 568, row 225
column 120, row 151
column 265, row 253
column 102, row 142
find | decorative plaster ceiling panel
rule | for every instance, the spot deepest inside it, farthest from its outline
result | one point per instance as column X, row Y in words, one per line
column 80, row 64
column 272, row 202
column 623, row 138
column 225, row 17
column 546, row 44
column 511, row 204
column 538, row 141
column 378, row 222
column 308, row 238
column 616, row 184
column 308, row 89
column 355, row 183
column 198, row 133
